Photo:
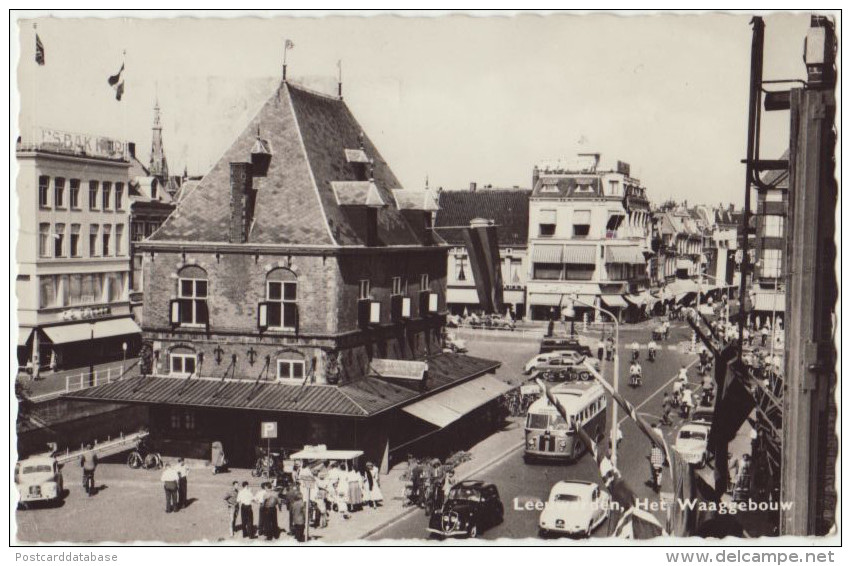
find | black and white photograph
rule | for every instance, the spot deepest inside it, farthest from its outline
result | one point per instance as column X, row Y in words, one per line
column 425, row 279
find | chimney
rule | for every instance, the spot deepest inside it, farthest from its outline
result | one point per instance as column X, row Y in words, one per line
column 241, row 202
column 536, row 174
column 131, row 149
column 472, row 186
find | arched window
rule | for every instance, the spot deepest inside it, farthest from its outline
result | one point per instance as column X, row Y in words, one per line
column 190, row 308
column 281, row 305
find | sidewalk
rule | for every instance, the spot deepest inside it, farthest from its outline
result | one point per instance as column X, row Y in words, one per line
column 370, row 521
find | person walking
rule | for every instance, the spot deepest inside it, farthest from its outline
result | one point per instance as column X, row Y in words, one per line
column 610, row 348
column 764, row 334
column 297, row 516
column 269, row 507
column 375, row 497
column 601, row 348
column 246, row 514
column 170, row 479
column 182, row 478
column 89, row 463
column 232, row 506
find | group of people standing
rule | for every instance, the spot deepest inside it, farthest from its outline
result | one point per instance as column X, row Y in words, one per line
column 241, row 501
column 175, row 478
column 337, row 487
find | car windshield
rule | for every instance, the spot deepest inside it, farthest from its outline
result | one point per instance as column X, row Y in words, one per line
column 37, row 469
column 465, row 494
column 692, row 434
column 567, row 497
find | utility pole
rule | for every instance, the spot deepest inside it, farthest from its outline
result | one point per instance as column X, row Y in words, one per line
column 809, row 418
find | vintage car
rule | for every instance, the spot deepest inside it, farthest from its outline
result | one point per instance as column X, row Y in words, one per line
column 471, row 507
column 691, row 443
column 574, row 508
column 492, row 321
column 454, row 344
column 703, row 416
column 38, row 479
column 559, row 361
column 564, row 343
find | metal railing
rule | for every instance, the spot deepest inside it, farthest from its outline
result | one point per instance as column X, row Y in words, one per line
column 70, row 382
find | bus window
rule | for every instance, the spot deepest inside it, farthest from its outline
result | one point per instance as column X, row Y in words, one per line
column 558, row 423
column 536, row 421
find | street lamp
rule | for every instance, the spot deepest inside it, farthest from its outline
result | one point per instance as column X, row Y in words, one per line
column 614, row 433
column 124, row 357
column 91, row 356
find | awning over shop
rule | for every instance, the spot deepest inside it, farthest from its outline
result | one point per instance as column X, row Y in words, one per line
column 69, row 333
column 614, row 301
column 624, row 254
column 770, row 302
column 547, row 253
column 466, row 296
column 639, row 299
column 684, row 264
column 580, row 254
column 545, row 299
column 23, row 336
column 447, row 407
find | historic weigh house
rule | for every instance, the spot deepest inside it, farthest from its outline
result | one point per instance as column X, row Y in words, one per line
column 298, row 283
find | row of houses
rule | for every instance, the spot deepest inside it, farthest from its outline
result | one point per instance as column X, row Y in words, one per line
column 591, row 232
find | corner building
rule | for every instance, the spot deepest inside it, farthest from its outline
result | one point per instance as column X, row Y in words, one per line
column 299, row 283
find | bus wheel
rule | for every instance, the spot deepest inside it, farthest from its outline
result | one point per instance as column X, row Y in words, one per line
column 577, row 450
column 598, row 435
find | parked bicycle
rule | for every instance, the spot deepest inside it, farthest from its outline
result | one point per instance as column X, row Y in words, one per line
column 269, row 465
column 143, row 456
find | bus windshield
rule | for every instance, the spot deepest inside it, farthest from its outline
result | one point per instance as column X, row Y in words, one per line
column 540, row 421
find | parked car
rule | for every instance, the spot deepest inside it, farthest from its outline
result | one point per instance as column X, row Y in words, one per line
column 574, row 508
column 38, row 479
column 563, row 343
column 455, row 344
column 560, row 360
column 471, row 507
column 493, row 321
column 703, row 416
column 691, row 443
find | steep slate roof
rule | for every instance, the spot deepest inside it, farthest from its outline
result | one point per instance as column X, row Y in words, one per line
column 509, row 208
column 307, row 134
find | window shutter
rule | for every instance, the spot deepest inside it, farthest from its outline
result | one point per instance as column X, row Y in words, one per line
column 363, row 312
column 406, row 307
column 432, row 302
column 396, row 307
column 202, row 314
column 375, row 312
column 263, row 316
column 424, row 300
column 175, row 311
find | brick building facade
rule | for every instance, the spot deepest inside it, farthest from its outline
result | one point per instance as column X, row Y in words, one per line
column 299, row 283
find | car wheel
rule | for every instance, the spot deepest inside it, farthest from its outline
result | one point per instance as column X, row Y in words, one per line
column 474, row 531
column 543, row 533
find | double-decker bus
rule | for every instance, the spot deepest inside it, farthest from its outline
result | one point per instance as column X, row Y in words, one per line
column 550, row 437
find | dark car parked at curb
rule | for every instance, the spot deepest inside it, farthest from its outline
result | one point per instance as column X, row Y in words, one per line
column 471, row 507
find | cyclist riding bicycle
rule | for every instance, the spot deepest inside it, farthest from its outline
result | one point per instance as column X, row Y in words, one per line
column 652, row 347
column 89, row 462
column 634, row 347
column 635, row 373
column 657, row 460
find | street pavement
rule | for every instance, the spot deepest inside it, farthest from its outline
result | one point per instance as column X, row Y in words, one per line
column 519, row 483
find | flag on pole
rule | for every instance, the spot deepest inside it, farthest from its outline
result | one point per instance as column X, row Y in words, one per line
column 116, row 81
column 39, row 50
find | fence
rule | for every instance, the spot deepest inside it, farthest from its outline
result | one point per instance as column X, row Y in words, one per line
column 60, row 383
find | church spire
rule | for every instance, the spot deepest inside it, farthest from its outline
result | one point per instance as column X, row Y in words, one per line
column 158, row 164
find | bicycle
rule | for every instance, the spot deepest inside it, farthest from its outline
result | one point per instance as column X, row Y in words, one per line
column 145, row 458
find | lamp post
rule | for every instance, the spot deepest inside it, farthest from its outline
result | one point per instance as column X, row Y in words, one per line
column 614, row 433
column 91, row 355
column 124, row 357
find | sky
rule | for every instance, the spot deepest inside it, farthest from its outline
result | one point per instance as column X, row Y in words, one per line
column 455, row 99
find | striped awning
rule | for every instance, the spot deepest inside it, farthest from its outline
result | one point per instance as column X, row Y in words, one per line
column 580, row 254
column 769, row 301
column 624, row 254
column 614, row 301
column 547, row 253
